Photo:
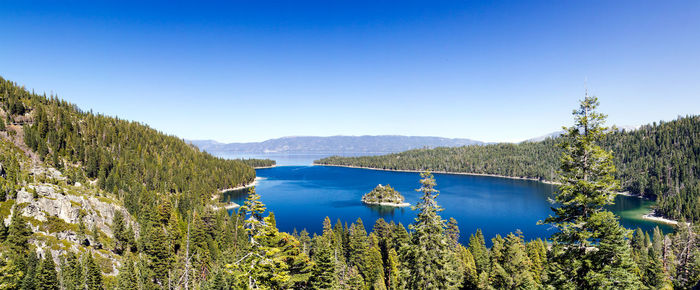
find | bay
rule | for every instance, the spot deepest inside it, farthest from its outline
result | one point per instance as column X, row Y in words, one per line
column 302, row 196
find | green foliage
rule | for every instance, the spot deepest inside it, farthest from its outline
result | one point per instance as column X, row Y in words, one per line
column 18, row 233
column 591, row 249
column 127, row 280
column 659, row 161
column 427, row 257
column 10, row 273
column 383, row 194
column 47, row 278
column 93, row 274
column 72, row 273
column 123, row 156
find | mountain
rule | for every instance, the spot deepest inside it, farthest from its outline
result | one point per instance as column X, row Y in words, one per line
column 334, row 144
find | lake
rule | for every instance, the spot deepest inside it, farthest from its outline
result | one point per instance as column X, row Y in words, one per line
column 302, row 196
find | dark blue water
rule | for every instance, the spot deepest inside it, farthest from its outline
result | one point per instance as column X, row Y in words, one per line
column 302, row 196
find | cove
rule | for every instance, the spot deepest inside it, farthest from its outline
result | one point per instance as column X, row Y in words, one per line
column 302, row 196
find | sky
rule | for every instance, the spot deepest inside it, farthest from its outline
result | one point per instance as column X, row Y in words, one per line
column 242, row 71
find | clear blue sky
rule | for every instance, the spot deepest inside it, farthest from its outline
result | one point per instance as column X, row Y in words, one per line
column 253, row 70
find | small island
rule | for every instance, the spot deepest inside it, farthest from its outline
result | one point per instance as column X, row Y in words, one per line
column 384, row 196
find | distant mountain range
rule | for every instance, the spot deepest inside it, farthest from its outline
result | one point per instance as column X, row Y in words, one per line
column 353, row 145
column 334, row 144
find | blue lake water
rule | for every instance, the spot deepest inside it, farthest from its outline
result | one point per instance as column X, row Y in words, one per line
column 302, row 196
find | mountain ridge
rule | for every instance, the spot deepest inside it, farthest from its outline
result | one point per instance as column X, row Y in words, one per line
column 335, row 144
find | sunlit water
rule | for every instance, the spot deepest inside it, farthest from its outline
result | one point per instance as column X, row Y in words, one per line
column 302, row 196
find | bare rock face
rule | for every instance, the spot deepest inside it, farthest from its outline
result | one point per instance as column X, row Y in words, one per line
column 52, row 201
column 41, row 201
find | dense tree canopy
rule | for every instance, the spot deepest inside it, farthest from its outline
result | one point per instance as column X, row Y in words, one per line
column 660, row 161
column 172, row 237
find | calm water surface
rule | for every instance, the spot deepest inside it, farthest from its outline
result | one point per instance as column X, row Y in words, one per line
column 302, row 196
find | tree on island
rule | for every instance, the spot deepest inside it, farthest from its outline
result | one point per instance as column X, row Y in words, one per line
column 383, row 195
column 591, row 250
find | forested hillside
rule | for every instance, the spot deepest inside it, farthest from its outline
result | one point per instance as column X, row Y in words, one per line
column 660, row 161
column 68, row 177
column 126, row 158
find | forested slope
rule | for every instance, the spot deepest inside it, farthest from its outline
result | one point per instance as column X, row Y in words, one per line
column 126, row 158
column 660, row 161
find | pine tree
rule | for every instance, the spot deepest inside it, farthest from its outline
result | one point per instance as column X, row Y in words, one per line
column 10, row 273
column 158, row 248
column 374, row 268
column 537, row 252
column 18, row 233
column 427, row 257
column 29, row 279
column 93, row 274
column 275, row 261
column 255, row 208
column 654, row 275
column 127, row 280
column 354, row 279
column 477, row 246
column 358, row 245
column 611, row 266
column 587, row 185
column 119, row 231
column 517, row 263
column 393, row 273
column 47, row 278
column 72, row 273
column 452, row 231
column 324, row 276
column 471, row 278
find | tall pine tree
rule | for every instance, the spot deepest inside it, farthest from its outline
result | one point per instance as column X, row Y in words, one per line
column 427, row 257
column 588, row 184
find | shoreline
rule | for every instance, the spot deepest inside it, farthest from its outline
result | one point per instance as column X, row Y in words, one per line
column 254, row 183
column 443, row 172
column 651, row 216
column 403, row 204
column 263, row 167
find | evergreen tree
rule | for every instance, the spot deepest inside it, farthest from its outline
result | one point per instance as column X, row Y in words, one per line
column 587, row 185
column 426, row 258
column 93, row 274
column 611, row 265
column 477, row 246
column 18, row 233
column 324, row 276
column 29, row 279
column 47, row 278
column 537, row 252
column 452, row 231
column 471, row 278
column 393, row 273
column 10, row 273
column 72, row 273
column 120, row 232
column 517, row 263
column 358, row 245
column 127, row 280
column 374, row 268
column 354, row 279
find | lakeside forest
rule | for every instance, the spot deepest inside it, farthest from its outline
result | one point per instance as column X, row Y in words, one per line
column 660, row 161
column 140, row 215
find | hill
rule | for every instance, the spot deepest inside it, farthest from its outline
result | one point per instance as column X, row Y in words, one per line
column 660, row 161
column 334, row 144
